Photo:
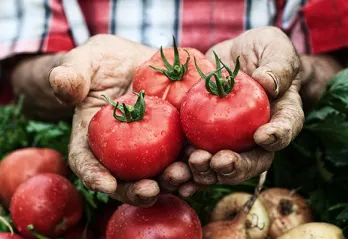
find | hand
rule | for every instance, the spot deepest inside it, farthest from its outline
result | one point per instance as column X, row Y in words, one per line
column 105, row 65
column 268, row 56
column 316, row 72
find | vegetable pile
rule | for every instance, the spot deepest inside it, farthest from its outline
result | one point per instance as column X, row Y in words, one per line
column 178, row 94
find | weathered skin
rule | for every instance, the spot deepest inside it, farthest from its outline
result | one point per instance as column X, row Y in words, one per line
column 88, row 71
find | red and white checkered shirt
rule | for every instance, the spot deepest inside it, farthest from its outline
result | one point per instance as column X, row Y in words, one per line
column 47, row 26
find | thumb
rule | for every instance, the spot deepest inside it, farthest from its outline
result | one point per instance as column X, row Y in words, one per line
column 276, row 77
column 279, row 63
column 71, row 79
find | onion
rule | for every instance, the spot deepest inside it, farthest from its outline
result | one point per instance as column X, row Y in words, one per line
column 316, row 230
column 238, row 216
column 286, row 210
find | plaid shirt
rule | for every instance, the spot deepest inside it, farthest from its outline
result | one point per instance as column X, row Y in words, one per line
column 48, row 26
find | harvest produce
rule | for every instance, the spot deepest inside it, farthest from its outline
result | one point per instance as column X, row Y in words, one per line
column 22, row 164
column 5, row 235
column 314, row 230
column 257, row 222
column 172, row 73
column 225, row 113
column 315, row 162
column 137, row 137
column 49, row 203
column 240, row 225
column 286, row 209
column 168, row 218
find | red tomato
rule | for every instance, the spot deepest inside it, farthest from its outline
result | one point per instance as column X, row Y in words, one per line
column 139, row 149
column 214, row 123
column 168, row 218
column 47, row 201
column 5, row 235
column 22, row 164
column 158, row 84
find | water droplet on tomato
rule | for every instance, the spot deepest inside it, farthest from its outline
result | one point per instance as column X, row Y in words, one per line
column 163, row 133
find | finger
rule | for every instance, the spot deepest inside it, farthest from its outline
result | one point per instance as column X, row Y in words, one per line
column 174, row 175
column 142, row 193
column 223, row 50
column 82, row 161
column 71, row 79
column 189, row 188
column 279, row 63
column 244, row 166
column 286, row 121
column 199, row 163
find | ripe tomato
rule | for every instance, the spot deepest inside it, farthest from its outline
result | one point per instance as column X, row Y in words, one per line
column 173, row 73
column 47, row 201
column 5, row 235
column 225, row 113
column 140, row 146
column 22, row 164
column 168, row 218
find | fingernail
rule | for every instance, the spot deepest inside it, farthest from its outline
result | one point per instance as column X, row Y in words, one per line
column 270, row 140
column 202, row 168
column 275, row 81
column 146, row 200
column 223, row 162
column 228, row 169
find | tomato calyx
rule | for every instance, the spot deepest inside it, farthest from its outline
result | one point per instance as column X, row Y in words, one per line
column 177, row 71
column 129, row 113
column 34, row 233
column 222, row 85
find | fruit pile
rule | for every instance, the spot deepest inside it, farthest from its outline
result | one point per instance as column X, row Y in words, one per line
column 178, row 95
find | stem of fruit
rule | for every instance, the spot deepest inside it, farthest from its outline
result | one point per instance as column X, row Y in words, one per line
column 176, row 71
column 34, row 233
column 7, row 224
column 242, row 215
column 222, row 86
column 129, row 113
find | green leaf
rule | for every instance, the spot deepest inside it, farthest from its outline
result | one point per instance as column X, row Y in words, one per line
column 336, row 94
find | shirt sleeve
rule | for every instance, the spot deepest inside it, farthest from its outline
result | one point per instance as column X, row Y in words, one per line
column 33, row 26
column 327, row 23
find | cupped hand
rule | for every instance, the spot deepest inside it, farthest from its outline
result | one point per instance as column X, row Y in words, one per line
column 268, row 56
column 105, row 66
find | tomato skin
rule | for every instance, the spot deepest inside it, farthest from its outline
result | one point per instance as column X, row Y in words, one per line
column 140, row 149
column 46, row 200
column 157, row 84
column 5, row 235
column 23, row 164
column 168, row 218
column 213, row 124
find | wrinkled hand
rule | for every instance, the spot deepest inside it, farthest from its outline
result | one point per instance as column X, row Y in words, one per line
column 269, row 57
column 105, row 65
